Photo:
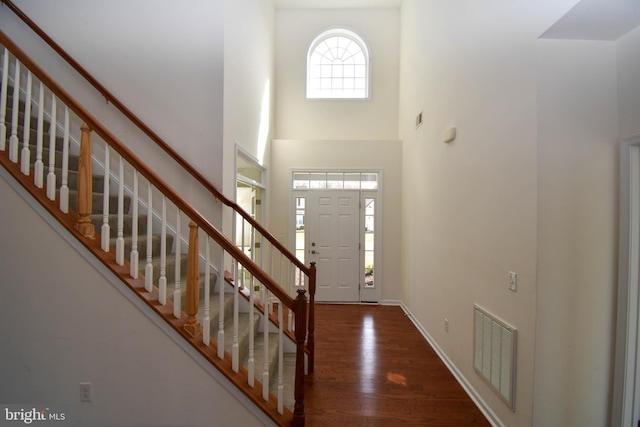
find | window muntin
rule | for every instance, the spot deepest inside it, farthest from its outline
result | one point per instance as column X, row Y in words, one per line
column 338, row 66
column 304, row 180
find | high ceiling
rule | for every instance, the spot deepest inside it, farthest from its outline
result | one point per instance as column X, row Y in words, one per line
column 588, row 20
column 335, row 4
column 597, row 20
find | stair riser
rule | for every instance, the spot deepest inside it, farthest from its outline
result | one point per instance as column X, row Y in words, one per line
column 33, row 137
column 72, row 179
column 33, row 122
column 213, row 303
column 97, row 201
column 170, row 268
column 215, row 311
column 98, row 219
column 272, row 357
column 142, row 246
column 73, row 160
column 244, row 330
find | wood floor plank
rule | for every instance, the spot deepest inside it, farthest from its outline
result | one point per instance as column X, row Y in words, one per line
column 373, row 368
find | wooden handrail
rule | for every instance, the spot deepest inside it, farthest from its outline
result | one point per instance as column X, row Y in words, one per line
column 152, row 135
column 149, row 174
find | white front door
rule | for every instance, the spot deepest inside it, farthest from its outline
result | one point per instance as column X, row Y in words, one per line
column 334, row 243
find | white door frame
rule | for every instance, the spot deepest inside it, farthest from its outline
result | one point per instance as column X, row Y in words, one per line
column 626, row 393
column 367, row 294
column 252, row 163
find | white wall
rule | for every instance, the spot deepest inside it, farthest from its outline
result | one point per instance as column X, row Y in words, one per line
column 380, row 155
column 248, row 88
column 161, row 59
column 470, row 207
column 248, row 83
column 628, row 48
column 577, row 235
column 64, row 323
column 299, row 118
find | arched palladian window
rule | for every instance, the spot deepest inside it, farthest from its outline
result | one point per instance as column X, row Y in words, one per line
column 338, row 66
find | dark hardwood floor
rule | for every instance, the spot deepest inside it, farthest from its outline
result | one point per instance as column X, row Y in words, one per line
column 373, row 368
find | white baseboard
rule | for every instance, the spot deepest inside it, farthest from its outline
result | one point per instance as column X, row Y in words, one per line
column 468, row 388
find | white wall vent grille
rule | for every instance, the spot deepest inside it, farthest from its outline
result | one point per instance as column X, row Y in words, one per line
column 494, row 346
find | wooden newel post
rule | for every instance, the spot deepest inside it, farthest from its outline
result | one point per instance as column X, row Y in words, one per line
column 312, row 316
column 301, row 328
column 192, row 326
column 85, row 183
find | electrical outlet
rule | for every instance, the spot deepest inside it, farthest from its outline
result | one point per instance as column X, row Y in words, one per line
column 513, row 281
column 85, row 392
column 446, row 325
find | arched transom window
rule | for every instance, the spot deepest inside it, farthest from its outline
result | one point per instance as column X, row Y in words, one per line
column 338, row 66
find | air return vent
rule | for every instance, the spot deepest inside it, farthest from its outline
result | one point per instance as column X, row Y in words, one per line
column 494, row 348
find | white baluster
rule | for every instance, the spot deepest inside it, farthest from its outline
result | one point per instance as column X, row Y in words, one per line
column 244, row 248
column 280, row 358
column 263, row 288
column 134, row 256
column 283, row 274
column 251, row 361
column 38, row 167
column 262, row 263
column 148, row 269
column 252, row 241
column 162, row 282
column 13, row 139
column 120, row 229
column 265, row 364
column 234, row 274
column 106, row 228
column 51, row 176
column 3, row 99
column 25, row 158
column 206, row 327
column 64, row 189
column 177, row 300
column 221, row 286
column 235, row 349
column 289, row 312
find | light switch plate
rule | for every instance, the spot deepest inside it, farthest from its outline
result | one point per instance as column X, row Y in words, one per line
column 513, row 281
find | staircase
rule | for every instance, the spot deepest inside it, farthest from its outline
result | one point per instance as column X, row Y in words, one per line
column 256, row 328
column 173, row 271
